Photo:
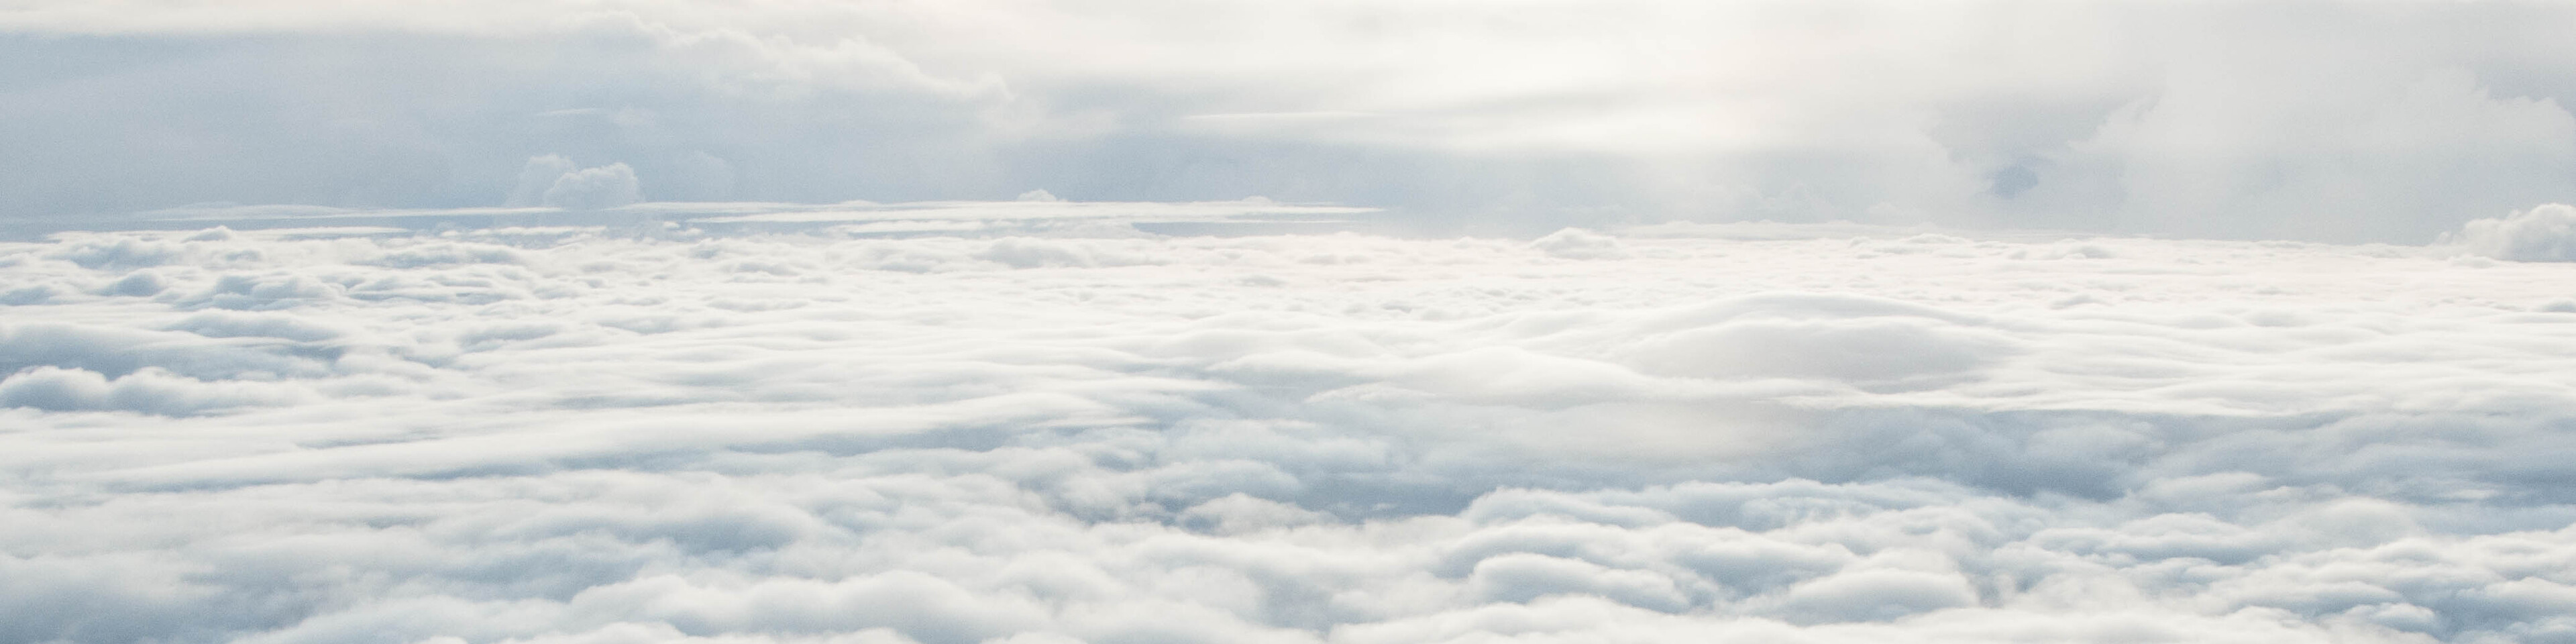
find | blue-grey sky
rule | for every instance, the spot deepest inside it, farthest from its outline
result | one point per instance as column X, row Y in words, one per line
column 2320, row 121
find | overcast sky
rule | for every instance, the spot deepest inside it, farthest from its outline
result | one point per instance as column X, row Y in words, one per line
column 2291, row 120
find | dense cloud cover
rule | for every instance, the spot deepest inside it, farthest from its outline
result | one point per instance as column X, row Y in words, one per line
column 2319, row 121
column 1080, row 432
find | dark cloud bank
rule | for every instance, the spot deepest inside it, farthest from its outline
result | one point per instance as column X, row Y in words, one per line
column 2341, row 122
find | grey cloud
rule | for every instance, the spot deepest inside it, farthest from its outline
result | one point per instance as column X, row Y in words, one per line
column 150, row 391
column 1577, row 243
column 1876, row 594
column 119, row 351
column 593, row 188
column 538, row 176
column 553, row 180
column 218, row 324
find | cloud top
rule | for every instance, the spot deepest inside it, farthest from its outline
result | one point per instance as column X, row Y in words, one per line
column 2545, row 233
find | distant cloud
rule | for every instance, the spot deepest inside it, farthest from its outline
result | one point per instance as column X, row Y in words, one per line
column 2546, row 233
column 552, row 180
column 1577, row 243
column 606, row 186
column 538, row 176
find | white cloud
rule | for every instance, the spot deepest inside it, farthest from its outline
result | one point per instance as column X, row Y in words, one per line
column 552, row 180
column 1577, row 243
column 538, row 176
column 1027, row 434
column 606, row 186
column 2545, row 233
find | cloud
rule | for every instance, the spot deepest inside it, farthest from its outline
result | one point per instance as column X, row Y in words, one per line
column 1024, row 434
column 536, row 178
column 1577, row 243
column 606, row 186
column 149, row 391
column 552, row 180
column 2545, row 233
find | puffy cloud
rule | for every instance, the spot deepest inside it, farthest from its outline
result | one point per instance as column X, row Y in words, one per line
column 1019, row 433
column 1577, row 243
column 2546, row 233
column 592, row 188
column 149, row 391
column 552, row 180
column 538, row 176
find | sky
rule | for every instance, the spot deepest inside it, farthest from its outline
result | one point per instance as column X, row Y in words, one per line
column 2318, row 121
column 1125, row 322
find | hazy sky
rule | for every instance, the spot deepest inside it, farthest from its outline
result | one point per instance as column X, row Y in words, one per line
column 2294, row 120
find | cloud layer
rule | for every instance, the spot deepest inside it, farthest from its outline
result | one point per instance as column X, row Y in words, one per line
column 1089, row 433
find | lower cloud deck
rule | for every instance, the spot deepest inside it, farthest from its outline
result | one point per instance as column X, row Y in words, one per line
column 591, row 434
